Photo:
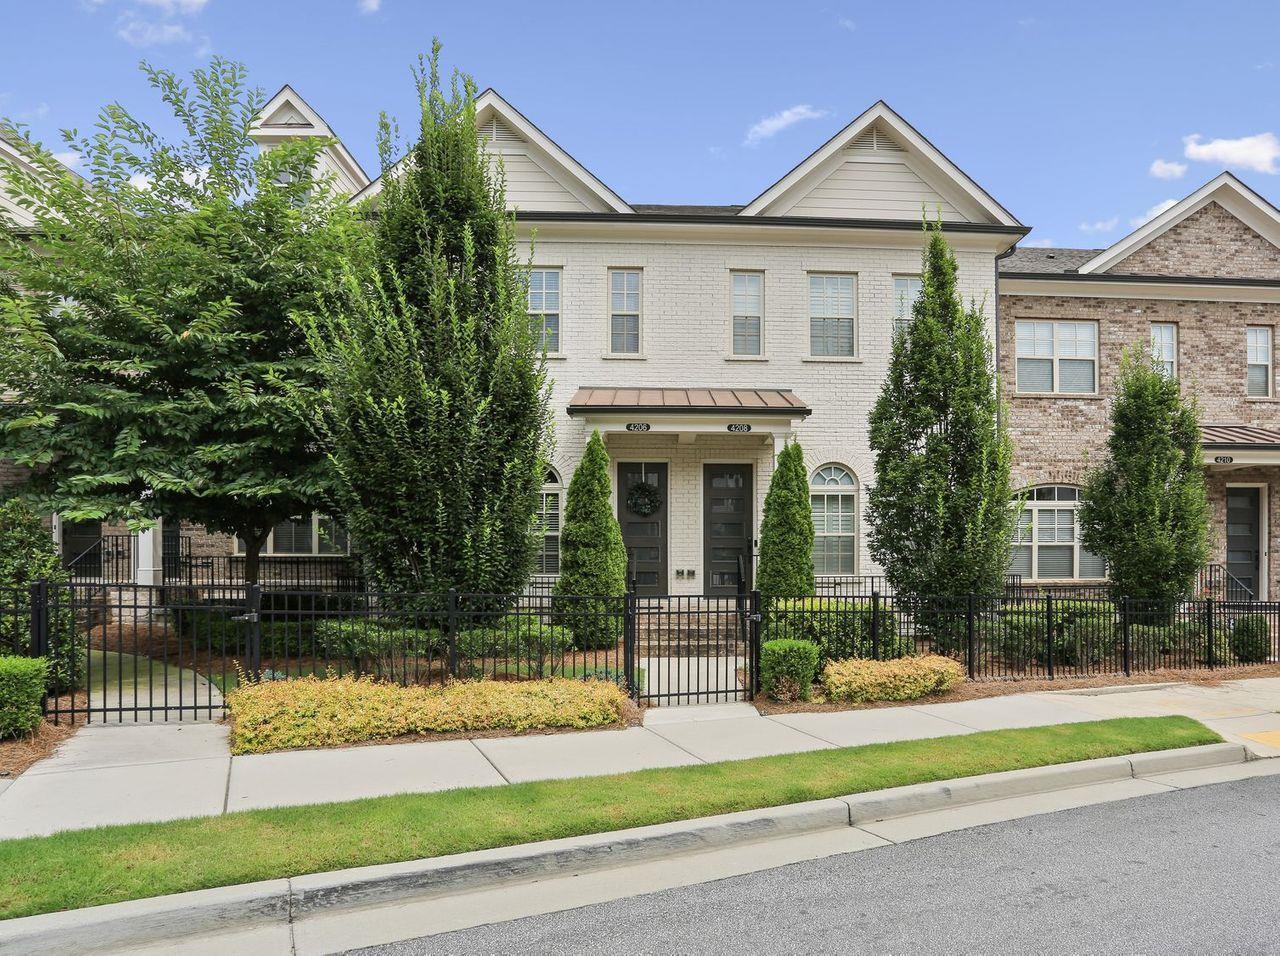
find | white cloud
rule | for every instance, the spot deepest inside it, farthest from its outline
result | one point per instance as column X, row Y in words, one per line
column 35, row 113
column 1100, row 225
column 775, row 124
column 170, row 7
column 1167, row 169
column 1040, row 244
column 69, row 158
column 368, row 6
column 1151, row 213
column 847, row 23
column 143, row 33
column 1259, row 153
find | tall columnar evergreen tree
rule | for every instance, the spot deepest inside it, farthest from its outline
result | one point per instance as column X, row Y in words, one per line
column 786, row 531
column 434, row 411
column 1144, row 509
column 940, row 514
column 593, row 559
column 150, row 349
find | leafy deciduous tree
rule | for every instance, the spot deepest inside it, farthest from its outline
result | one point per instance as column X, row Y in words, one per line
column 150, row 349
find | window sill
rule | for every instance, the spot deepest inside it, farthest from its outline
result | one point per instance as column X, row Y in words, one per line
column 557, row 357
column 833, row 359
column 746, row 358
column 1263, row 399
column 624, row 356
column 1069, row 396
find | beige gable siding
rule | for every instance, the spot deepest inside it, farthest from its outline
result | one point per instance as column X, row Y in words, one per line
column 11, row 211
column 530, row 187
column 1209, row 242
column 876, row 186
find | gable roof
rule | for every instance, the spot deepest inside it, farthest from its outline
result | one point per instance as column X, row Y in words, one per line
column 1224, row 189
column 545, row 154
column 288, row 116
column 926, row 160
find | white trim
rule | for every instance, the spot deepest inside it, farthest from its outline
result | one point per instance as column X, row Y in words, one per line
column 1224, row 189
column 1264, row 533
column 272, row 133
column 610, row 272
column 1156, row 358
column 1057, row 357
column 933, row 162
column 746, row 356
column 1064, row 285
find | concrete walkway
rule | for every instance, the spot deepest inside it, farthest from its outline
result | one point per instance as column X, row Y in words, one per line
column 135, row 773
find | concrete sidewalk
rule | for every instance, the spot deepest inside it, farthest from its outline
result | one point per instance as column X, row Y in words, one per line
column 135, row 773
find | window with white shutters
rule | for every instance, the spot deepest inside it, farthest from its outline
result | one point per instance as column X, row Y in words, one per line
column 1046, row 540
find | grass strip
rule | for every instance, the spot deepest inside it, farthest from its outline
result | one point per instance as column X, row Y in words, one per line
column 110, row 864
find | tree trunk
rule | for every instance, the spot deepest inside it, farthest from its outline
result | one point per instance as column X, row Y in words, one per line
column 253, row 542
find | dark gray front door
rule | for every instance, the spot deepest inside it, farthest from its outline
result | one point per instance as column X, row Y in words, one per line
column 82, row 547
column 645, row 535
column 1244, row 543
column 726, row 526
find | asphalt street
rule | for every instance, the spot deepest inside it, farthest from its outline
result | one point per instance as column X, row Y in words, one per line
column 1192, row 871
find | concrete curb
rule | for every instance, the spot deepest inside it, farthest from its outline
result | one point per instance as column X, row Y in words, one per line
column 142, row 922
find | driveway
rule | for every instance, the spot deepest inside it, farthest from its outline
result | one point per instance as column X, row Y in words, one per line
column 1190, row 871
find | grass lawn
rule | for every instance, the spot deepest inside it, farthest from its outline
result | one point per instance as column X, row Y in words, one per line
column 85, row 868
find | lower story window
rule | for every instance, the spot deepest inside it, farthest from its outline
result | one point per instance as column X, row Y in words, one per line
column 303, row 535
column 833, row 497
column 1046, row 541
column 548, row 524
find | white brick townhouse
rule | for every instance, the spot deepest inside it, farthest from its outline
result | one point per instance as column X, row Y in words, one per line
column 698, row 339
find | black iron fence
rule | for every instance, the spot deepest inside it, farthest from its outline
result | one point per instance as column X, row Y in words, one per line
column 173, row 652
column 108, row 559
column 340, row 572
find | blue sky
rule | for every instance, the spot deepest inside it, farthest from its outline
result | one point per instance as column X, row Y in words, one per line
column 1080, row 117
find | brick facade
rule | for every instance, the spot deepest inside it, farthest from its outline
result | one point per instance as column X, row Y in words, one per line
column 1209, row 242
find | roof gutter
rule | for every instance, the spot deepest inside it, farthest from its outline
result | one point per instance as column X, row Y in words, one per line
column 1260, row 283
column 714, row 219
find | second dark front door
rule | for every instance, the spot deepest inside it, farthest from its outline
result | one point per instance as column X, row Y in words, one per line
column 1244, row 547
column 643, row 517
column 726, row 526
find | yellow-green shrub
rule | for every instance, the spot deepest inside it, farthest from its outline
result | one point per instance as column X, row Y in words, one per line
column 858, row 681
column 328, row 712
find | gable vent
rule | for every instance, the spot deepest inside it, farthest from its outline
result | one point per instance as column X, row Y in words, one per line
column 875, row 138
column 496, row 131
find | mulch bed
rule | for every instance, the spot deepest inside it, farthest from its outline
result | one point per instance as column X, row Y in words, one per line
column 979, row 690
column 17, row 755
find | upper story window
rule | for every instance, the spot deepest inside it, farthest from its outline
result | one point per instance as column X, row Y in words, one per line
column 748, row 312
column 1258, row 376
column 1057, row 357
column 303, row 535
column 1046, row 541
column 548, row 524
column 833, row 496
column 906, row 289
column 1164, row 347
column 544, row 307
column 831, row 315
column 624, row 311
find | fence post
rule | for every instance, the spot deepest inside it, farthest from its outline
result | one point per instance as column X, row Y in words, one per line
column 971, row 638
column 253, row 617
column 1048, row 634
column 1125, row 636
column 1208, row 630
column 753, row 648
column 629, row 643
column 875, row 624
column 40, row 618
column 452, row 632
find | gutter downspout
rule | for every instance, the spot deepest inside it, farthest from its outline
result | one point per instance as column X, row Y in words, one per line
column 996, row 349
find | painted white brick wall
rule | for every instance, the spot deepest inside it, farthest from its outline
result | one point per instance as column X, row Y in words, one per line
column 685, row 342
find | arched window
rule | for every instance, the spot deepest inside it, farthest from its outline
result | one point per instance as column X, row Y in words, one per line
column 548, row 523
column 1046, row 543
column 833, row 497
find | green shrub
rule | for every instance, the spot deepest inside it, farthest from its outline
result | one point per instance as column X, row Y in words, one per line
column 22, row 687
column 385, row 649
column 527, row 641
column 214, row 629
column 1251, row 639
column 1222, row 653
column 27, row 555
column 1084, row 632
column 859, row 681
column 840, row 627
column 787, row 668
column 593, row 559
column 1150, row 642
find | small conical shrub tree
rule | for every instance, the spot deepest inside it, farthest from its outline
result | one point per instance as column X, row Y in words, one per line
column 940, row 515
column 593, row 559
column 1144, row 509
column 785, row 567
